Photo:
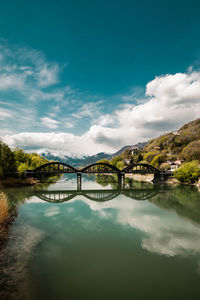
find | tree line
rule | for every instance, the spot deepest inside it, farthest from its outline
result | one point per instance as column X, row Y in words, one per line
column 16, row 161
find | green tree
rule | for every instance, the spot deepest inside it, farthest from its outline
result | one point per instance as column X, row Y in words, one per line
column 120, row 165
column 23, row 167
column 158, row 159
column 104, row 161
column 20, row 156
column 115, row 160
column 150, row 155
column 188, row 172
column 191, row 151
column 7, row 161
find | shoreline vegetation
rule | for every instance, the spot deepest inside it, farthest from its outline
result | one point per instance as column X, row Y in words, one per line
column 16, row 162
column 7, row 216
column 17, row 182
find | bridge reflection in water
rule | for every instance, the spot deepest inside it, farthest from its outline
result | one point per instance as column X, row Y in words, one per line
column 94, row 195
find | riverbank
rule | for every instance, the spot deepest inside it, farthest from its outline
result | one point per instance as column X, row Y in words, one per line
column 14, row 182
column 149, row 178
column 7, row 216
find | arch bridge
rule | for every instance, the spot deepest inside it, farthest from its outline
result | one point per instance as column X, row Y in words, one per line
column 54, row 168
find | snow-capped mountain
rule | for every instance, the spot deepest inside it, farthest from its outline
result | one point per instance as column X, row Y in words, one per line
column 79, row 161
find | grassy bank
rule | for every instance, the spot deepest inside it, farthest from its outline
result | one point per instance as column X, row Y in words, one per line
column 7, row 216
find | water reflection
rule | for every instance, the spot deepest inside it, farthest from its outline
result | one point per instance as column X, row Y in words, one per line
column 95, row 195
column 102, row 232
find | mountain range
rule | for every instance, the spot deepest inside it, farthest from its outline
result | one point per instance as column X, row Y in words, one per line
column 86, row 160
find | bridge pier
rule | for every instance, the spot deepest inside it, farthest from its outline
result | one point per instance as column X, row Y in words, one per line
column 121, row 180
column 161, row 176
column 79, row 181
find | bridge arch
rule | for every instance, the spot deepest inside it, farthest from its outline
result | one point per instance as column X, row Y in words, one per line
column 100, row 168
column 140, row 167
column 141, row 194
column 60, row 196
column 66, row 168
column 55, row 196
column 101, row 195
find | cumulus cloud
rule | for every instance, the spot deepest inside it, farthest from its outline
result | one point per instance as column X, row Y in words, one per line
column 171, row 101
column 61, row 143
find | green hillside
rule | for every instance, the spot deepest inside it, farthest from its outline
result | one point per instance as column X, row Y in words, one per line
column 184, row 143
column 181, row 146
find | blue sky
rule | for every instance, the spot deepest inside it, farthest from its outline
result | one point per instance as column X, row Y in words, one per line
column 89, row 76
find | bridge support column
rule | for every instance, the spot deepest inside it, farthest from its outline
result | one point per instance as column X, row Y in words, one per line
column 79, row 181
column 161, row 176
column 121, row 180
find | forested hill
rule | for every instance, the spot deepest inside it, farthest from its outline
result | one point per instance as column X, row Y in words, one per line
column 184, row 143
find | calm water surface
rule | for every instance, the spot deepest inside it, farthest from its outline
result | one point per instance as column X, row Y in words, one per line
column 142, row 242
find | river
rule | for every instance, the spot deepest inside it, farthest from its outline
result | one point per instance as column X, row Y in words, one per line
column 99, row 243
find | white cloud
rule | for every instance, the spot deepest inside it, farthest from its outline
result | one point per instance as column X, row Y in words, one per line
column 50, row 123
column 27, row 72
column 171, row 101
column 68, row 124
column 175, row 89
column 52, row 211
column 62, row 143
column 47, row 75
column 165, row 233
column 4, row 114
column 90, row 109
column 11, row 81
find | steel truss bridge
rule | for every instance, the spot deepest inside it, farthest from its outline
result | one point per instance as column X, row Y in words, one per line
column 94, row 195
column 54, row 168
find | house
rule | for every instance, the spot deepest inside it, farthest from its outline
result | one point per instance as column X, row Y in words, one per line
column 176, row 132
column 157, row 148
column 175, row 164
column 179, row 162
column 135, row 149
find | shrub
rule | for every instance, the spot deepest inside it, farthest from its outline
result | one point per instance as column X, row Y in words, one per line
column 115, row 160
column 158, row 159
column 104, row 161
column 120, row 165
column 165, row 166
column 188, row 172
column 23, row 167
column 150, row 155
column 191, row 151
